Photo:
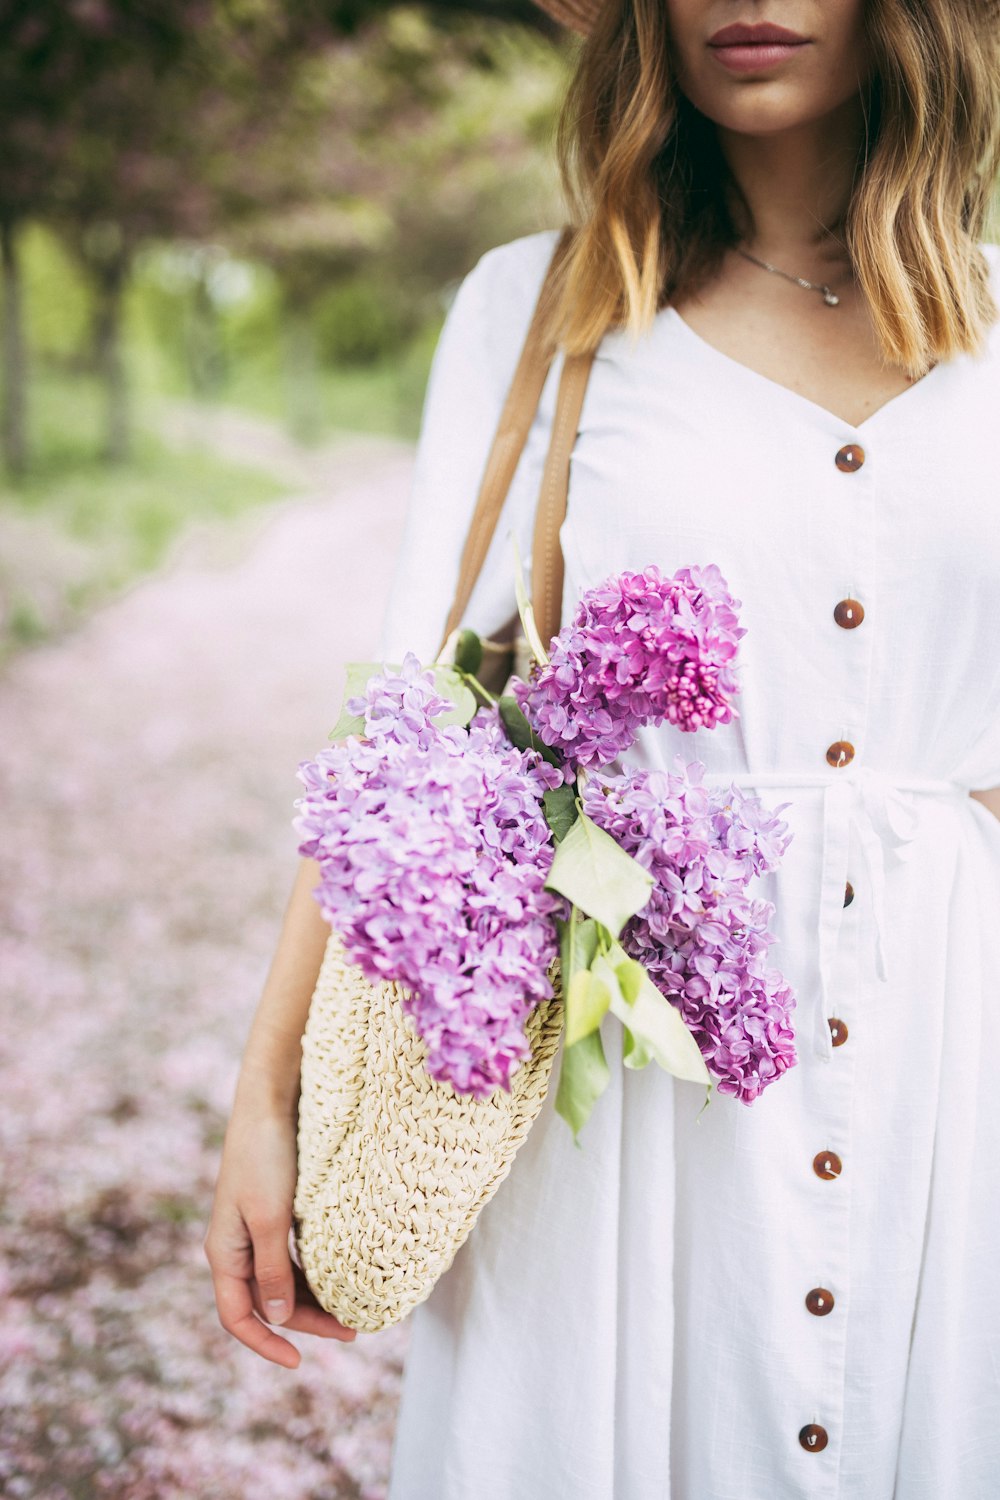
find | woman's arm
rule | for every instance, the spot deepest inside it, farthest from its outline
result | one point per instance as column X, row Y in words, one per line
column 990, row 799
column 255, row 1280
column 247, row 1240
column 269, row 1074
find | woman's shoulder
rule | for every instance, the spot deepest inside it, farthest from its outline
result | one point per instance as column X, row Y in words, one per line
column 513, row 272
column 492, row 307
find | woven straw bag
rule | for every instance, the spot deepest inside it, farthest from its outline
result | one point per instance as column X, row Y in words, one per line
column 393, row 1165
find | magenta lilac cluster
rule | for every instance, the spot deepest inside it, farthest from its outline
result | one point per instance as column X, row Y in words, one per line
column 433, row 853
column 641, row 649
column 701, row 939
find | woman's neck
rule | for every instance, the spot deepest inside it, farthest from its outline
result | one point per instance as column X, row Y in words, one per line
column 798, row 184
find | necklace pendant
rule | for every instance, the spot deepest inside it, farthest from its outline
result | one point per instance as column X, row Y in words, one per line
column 830, row 298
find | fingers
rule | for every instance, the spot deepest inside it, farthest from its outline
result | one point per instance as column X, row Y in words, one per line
column 237, row 1316
column 272, row 1267
column 230, row 1249
column 309, row 1318
column 251, row 1271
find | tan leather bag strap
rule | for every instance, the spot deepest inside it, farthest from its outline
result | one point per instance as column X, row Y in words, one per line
column 546, row 553
column 512, row 431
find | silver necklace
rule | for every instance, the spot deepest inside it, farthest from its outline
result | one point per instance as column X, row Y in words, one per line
column 830, row 298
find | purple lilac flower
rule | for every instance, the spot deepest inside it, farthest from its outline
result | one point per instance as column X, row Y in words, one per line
column 703, row 941
column 640, row 649
column 434, row 852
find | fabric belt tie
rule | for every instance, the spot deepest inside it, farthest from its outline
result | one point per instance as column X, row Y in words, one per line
column 881, row 810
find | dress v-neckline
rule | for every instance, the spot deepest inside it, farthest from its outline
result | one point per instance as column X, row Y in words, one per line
column 786, row 390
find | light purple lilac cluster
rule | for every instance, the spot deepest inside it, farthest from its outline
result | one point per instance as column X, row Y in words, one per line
column 434, row 852
column 701, row 939
column 640, row 649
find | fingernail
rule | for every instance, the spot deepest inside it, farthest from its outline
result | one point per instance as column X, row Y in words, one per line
column 277, row 1311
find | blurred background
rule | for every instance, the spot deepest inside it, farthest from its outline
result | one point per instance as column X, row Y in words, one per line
column 229, row 233
column 250, row 205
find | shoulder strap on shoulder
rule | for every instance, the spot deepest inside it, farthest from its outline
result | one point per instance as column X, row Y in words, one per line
column 546, row 553
column 508, row 444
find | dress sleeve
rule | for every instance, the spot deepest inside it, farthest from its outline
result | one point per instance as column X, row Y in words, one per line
column 473, row 364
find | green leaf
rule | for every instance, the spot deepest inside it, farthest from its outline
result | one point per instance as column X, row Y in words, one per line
column 560, row 809
column 577, row 945
column 450, row 685
column 587, row 1002
column 347, row 724
column 359, row 674
column 468, row 652
column 630, row 976
column 526, row 612
column 634, row 1054
column 656, row 1025
column 583, row 1076
column 594, row 872
column 517, row 727
column 520, row 732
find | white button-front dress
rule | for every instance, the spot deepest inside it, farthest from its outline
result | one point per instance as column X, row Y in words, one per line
column 796, row 1299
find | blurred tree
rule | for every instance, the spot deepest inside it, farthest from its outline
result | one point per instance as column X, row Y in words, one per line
column 397, row 153
column 103, row 109
column 320, row 139
column 152, row 150
column 349, row 16
column 52, row 54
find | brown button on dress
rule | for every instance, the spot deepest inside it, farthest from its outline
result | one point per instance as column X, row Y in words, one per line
column 849, row 613
column 838, row 1030
column 819, row 1301
column 850, row 458
column 840, row 753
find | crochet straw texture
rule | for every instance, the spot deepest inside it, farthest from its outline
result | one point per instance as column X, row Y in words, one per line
column 393, row 1165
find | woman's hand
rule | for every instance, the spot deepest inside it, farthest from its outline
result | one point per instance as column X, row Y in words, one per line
column 256, row 1282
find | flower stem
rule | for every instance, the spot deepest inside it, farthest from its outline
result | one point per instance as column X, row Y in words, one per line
column 477, row 686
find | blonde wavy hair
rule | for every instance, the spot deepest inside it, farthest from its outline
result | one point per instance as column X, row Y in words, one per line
column 655, row 205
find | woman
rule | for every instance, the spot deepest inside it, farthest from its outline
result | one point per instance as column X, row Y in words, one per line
column 781, row 262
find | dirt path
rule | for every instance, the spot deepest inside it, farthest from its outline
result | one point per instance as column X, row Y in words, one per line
column 147, row 770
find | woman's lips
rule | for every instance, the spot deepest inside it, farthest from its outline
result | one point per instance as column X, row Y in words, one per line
column 753, row 57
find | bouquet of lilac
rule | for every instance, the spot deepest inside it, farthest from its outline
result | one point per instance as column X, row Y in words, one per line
column 640, row 649
column 702, row 940
column 429, row 830
column 466, row 843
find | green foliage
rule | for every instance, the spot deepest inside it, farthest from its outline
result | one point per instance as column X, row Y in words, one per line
column 583, row 1070
column 283, row 207
column 362, row 321
column 468, row 652
column 561, row 809
column 58, row 310
column 598, row 977
column 583, row 1076
column 593, row 871
column 520, row 732
column 656, row 1029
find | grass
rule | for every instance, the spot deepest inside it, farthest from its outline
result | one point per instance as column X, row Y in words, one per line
column 385, row 398
column 76, row 531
